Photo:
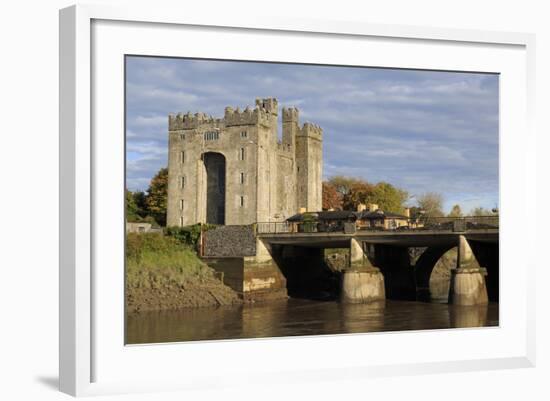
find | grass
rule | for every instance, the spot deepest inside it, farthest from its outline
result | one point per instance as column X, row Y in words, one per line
column 154, row 261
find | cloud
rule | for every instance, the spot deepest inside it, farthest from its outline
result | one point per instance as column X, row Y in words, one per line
column 420, row 130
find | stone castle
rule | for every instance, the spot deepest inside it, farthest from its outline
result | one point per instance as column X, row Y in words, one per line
column 234, row 170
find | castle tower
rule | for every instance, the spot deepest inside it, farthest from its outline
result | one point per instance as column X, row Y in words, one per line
column 233, row 170
column 290, row 126
column 309, row 165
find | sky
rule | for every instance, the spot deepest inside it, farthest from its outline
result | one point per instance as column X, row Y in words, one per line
column 422, row 131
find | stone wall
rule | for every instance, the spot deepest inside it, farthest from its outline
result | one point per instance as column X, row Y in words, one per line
column 229, row 241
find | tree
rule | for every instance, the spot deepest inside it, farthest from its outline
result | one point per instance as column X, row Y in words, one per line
column 415, row 212
column 331, row 198
column 388, row 198
column 431, row 203
column 456, row 211
column 140, row 201
column 343, row 184
column 480, row 211
column 131, row 207
column 358, row 192
column 157, row 195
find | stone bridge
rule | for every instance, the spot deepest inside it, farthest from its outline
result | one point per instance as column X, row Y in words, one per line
column 394, row 264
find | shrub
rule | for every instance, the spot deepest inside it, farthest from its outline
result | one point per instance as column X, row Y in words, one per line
column 188, row 235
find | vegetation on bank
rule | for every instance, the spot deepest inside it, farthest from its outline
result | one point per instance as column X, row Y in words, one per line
column 164, row 272
column 152, row 258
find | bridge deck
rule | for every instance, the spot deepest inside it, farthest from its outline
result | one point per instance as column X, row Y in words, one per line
column 397, row 238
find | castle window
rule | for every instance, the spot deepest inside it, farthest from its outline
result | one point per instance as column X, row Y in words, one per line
column 182, row 157
column 181, row 204
column 242, row 201
column 182, row 137
column 244, row 134
column 182, row 182
column 241, row 154
column 211, row 136
column 181, row 221
column 241, row 178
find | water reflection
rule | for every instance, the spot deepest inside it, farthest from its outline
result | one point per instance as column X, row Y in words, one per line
column 469, row 316
column 297, row 317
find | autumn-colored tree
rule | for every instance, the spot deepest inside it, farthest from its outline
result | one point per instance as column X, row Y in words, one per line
column 331, row 198
column 157, row 195
column 358, row 192
column 456, row 211
column 343, row 184
column 388, row 197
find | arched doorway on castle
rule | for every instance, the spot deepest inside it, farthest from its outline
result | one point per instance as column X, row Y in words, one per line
column 214, row 164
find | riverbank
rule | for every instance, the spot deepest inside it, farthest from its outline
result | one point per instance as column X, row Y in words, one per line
column 164, row 274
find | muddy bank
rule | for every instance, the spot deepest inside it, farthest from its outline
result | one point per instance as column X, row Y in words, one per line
column 191, row 293
column 165, row 273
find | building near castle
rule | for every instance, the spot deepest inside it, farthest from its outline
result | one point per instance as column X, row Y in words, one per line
column 235, row 170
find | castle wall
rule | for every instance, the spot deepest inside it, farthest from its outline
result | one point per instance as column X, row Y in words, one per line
column 261, row 174
column 286, row 185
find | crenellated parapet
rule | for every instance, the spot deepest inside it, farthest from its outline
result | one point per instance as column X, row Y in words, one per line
column 269, row 105
column 312, row 131
column 248, row 116
column 182, row 121
column 290, row 114
column 264, row 113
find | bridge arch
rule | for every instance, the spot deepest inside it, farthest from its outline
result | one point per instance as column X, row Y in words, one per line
column 424, row 267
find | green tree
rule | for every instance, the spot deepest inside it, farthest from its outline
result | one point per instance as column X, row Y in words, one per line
column 131, row 208
column 157, row 195
column 456, row 211
column 431, row 203
column 415, row 212
column 388, row 197
column 140, row 201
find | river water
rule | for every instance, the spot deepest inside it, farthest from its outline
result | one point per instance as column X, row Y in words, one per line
column 297, row 317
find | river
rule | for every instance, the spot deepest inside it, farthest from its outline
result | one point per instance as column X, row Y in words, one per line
column 298, row 317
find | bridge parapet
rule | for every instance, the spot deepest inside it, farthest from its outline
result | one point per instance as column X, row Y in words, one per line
column 452, row 224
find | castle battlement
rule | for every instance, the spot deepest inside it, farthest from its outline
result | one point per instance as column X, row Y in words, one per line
column 311, row 130
column 182, row 121
column 270, row 105
column 290, row 114
column 248, row 116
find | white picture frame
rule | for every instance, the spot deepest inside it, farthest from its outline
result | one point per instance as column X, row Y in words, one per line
column 89, row 362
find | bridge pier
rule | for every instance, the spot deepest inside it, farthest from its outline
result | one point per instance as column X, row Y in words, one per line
column 362, row 282
column 468, row 279
column 487, row 255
